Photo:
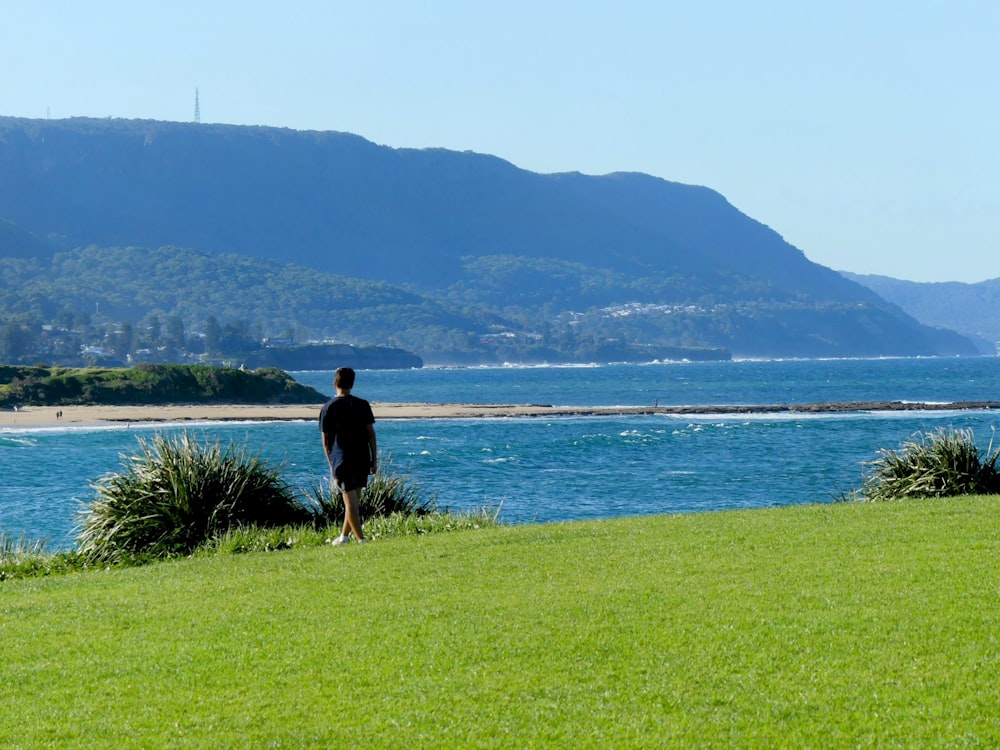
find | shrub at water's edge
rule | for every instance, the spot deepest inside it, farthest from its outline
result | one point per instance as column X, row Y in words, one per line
column 175, row 494
column 936, row 464
column 388, row 492
column 150, row 384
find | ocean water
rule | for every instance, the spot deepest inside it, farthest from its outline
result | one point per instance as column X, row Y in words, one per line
column 684, row 383
column 553, row 469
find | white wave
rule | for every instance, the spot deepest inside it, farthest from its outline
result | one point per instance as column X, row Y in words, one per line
column 83, row 429
column 802, row 416
column 17, row 441
column 547, row 366
column 514, row 366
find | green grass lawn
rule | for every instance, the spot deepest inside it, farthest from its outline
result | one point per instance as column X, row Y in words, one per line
column 847, row 625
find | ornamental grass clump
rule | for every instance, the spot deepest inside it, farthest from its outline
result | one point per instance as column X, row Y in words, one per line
column 388, row 493
column 936, row 464
column 16, row 548
column 175, row 494
column 21, row 557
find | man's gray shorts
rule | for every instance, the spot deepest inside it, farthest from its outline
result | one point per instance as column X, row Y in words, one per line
column 351, row 482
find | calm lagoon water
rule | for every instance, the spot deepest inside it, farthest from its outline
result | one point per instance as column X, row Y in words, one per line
column 564, row 468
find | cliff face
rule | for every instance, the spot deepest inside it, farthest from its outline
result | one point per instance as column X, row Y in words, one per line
column 339, row 203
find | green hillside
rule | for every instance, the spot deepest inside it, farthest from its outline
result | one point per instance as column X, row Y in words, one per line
column 458, row 257
column 151, row 384
column 971, row 309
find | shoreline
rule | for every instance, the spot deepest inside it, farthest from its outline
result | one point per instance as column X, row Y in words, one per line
column 46, row 416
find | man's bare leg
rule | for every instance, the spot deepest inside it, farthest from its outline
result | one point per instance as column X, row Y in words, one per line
column 352, row 522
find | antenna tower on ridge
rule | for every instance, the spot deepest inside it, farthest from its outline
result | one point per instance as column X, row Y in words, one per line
column 197, row 108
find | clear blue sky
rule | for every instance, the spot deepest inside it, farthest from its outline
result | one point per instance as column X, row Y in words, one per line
column 867, row 133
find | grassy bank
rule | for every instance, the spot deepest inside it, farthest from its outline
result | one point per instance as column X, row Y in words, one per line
column 149, row 384
column 847, row 625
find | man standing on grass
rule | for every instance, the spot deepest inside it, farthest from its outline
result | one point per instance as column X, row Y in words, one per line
column 348, row 427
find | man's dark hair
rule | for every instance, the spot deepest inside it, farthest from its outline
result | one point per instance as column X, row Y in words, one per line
column 343, row 378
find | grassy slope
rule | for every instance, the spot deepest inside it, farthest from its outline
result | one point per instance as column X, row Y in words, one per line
column 150, row 384
column 820, row 626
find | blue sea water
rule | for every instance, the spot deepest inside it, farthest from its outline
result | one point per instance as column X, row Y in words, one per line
column 550, row 469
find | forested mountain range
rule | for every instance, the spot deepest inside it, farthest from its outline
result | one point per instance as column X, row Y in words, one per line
column 457, row 256
column 971, row 309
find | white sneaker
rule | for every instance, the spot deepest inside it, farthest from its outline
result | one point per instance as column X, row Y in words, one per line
column 340, row 540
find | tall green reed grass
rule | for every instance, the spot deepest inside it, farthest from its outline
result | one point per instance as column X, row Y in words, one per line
column 942, row 463
column 21, row 557
column 175, row 493
column 13, row 548
column 389, row 492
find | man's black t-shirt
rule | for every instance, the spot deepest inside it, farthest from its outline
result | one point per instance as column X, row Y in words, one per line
column 345, row 421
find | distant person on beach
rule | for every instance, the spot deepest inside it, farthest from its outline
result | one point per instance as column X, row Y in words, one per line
column 348, row 428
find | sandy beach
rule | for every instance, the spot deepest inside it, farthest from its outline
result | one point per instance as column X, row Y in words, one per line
column 46, row 416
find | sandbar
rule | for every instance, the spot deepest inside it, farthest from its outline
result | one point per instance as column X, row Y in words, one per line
column 47, row 416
